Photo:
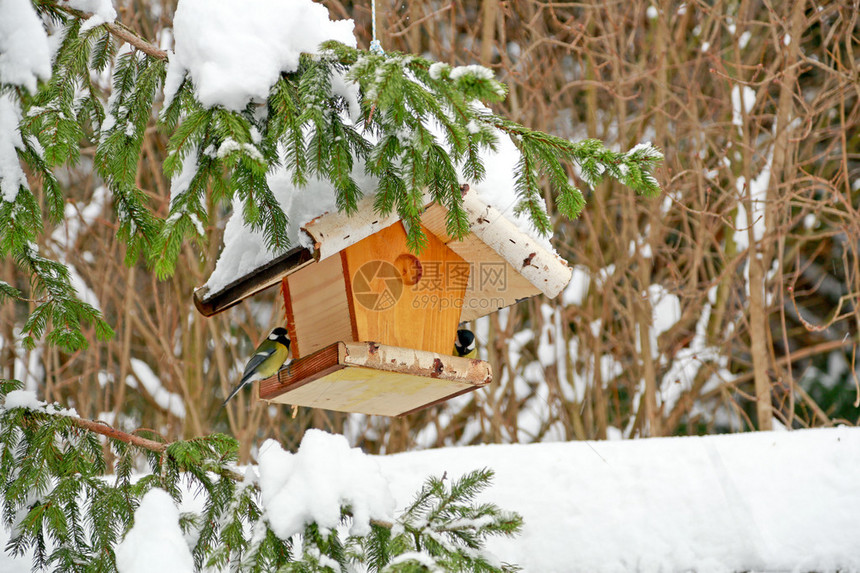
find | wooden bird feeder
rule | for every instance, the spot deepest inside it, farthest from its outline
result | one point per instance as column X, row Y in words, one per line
column 373, row 325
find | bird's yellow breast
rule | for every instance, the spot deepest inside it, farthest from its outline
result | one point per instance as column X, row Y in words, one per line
column 273, row 363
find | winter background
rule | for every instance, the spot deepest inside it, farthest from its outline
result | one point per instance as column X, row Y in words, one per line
column 769, row 501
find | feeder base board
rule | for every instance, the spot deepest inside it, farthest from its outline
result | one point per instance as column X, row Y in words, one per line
column 370, row 378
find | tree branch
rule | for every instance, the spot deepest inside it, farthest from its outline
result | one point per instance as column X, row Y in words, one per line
column 120, row 31
column 111, row 432
column 123, row 33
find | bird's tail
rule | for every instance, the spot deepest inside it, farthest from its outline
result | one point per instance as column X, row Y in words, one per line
column 235, row 391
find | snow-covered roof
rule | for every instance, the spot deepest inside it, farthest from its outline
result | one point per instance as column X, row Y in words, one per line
column 212, row 44
column 246, row 250
column 531, row 266
column 313, row 223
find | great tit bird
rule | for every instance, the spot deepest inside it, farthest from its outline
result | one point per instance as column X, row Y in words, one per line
column 267, row 360
column 465, row 344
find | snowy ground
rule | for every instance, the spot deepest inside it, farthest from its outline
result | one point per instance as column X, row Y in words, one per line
column 787, row 501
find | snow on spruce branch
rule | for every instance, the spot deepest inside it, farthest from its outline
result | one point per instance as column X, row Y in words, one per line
column 42, row 135
column 292, row 509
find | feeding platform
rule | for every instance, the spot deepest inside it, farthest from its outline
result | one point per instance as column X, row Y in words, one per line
column 374, row 379
column 373, row 325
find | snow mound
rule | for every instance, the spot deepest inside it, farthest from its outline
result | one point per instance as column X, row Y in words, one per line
column 155, row 542
column 764, row 501
column 312, row 485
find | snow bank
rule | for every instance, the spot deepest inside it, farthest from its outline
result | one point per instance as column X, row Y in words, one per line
column 235, row 51
column 757, row 501
column 767, row 501
column 155, row 542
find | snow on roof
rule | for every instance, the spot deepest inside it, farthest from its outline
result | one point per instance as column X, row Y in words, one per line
column 245, row 250
column 235, row 51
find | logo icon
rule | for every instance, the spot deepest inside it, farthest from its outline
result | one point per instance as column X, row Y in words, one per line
column 377, row 285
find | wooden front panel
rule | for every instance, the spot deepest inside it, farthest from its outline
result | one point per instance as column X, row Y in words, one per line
column 400, row 303
column 316, row 307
